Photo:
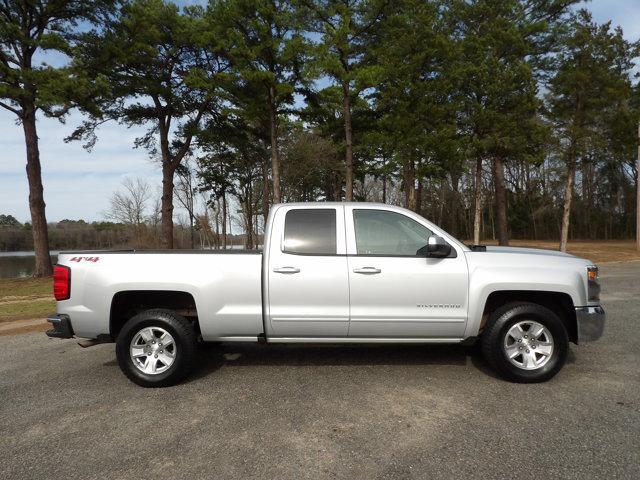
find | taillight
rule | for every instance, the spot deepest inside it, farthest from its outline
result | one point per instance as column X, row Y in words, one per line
column 61, row 282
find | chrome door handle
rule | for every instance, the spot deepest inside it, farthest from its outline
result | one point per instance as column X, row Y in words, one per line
column 367, row 270
column 286, row 269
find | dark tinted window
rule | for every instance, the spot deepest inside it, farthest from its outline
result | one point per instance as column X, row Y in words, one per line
column 310, row 231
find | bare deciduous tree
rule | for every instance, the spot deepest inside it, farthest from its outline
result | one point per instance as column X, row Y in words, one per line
column 129, row 205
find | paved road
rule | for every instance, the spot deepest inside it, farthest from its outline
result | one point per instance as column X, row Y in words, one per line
column 326, row 412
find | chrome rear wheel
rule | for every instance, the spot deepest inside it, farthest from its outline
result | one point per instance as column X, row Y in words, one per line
column 153, row 350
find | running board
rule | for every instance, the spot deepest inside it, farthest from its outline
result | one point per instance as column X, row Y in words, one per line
column 360, row 340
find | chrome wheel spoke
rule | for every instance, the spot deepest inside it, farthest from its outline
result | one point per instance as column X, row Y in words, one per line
column 146, row 334
column 529, row 360
column 138, row 351
column 513, row 351
column 535, row 330
column 516, row 331
column 151, row 366
column 166, row 339
column 544, row 348
column 165, row 359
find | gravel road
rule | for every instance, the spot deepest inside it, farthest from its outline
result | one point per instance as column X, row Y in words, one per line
column 327, row 412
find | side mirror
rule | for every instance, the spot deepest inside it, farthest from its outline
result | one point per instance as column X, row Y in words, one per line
column 436, row 247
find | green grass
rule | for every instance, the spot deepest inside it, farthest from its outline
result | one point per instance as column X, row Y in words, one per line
column 26, row 298
column 25, row 287
column 28, row 309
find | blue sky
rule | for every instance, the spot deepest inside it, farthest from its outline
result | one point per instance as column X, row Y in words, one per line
column 78, row 184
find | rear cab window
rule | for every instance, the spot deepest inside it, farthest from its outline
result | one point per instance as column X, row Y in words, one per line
column 310, row 231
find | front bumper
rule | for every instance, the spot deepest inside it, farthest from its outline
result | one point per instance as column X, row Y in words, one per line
column 61, row 324
column 591, row 322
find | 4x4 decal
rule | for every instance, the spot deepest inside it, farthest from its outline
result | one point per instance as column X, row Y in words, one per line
column 86, row 259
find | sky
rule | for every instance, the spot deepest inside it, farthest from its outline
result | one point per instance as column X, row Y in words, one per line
column 78, row 183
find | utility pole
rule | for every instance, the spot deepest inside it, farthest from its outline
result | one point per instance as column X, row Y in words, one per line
column 638, row 194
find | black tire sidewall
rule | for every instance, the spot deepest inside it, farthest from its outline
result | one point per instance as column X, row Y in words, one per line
column 505, row 320
column 185, row 348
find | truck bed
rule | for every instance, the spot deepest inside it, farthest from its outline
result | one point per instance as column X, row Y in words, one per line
column 225, row 286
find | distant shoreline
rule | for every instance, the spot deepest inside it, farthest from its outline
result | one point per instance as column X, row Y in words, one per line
column 26, row 253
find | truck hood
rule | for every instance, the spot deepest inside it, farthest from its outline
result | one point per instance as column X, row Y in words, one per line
column 531, row 251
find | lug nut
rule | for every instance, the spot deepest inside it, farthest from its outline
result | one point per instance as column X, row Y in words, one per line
column 519, row 340
column 527, row 351
column 156, row 355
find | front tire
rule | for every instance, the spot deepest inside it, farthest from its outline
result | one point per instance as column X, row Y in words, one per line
column 525, row 342
column 156, row 348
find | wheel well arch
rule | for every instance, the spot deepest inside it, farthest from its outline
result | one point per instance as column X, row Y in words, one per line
column 128, row 303
column 558, row 302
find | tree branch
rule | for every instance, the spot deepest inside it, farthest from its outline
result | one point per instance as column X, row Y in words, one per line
column 11, row 109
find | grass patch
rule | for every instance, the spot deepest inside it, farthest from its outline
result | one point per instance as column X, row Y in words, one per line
column 29, row 309
column 22, row 298
column 24, row 287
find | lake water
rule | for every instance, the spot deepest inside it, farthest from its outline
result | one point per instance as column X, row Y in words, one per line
column 19, row 264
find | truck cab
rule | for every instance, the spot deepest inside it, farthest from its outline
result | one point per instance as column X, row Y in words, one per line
column 351, row 271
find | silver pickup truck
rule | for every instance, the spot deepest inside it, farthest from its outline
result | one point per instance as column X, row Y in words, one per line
column 331, row 273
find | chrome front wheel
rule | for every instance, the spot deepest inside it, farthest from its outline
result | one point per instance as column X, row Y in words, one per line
column 528, row 345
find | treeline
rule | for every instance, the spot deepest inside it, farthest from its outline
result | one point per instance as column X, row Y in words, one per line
column 81, row 235
column 494, row 118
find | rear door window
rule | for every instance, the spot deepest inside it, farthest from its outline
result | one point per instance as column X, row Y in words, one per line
column 310, row 231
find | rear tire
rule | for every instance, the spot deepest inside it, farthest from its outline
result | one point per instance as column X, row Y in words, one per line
column 525, row 342
column 143, row 357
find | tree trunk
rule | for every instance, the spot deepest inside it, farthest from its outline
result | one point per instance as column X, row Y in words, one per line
column 501, row 201
column 568, row 196
column 275, row 157
column 166, row 208
column 384, row 188
column 409, row 174
column 43, row 267
column 265, row 193
column 192, row 231
column 419, row 193
column 477, row 215
column 348, row 135
column 638, row 194
column 224, row 221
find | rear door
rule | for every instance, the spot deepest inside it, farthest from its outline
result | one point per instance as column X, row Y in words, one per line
column 308, row 283
column 395, row 291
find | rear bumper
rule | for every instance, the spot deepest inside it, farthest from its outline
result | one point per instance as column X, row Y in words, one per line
column 61, row 326
column 591, row 322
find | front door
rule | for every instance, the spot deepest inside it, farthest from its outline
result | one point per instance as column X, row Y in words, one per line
column 308, row 290
column 394, row 291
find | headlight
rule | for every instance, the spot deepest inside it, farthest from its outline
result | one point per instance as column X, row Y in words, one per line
column 593, row 285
